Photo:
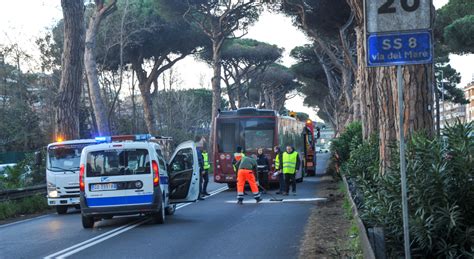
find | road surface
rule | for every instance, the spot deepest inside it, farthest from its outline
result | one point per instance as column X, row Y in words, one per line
column 214, row 228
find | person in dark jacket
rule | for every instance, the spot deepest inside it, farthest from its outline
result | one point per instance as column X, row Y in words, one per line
column 201, row 170
column 262, row 168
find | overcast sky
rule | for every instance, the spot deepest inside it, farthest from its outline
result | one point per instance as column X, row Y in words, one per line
column 22, row 21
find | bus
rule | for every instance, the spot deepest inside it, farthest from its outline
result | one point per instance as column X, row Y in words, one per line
column 252, row 128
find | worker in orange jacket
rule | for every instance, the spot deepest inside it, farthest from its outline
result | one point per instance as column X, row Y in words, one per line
column 246, row 173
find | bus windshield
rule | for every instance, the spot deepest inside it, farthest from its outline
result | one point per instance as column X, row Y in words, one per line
column 64, row 157
column 249, row 133
column 257, row 133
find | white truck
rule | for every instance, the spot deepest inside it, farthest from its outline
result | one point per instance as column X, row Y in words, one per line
column 62, row 173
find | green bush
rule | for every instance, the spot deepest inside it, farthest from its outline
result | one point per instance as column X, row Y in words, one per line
column 350, row 139
column 33, row 204
column 440, row 193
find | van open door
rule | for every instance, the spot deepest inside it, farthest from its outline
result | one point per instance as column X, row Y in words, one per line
column 183, row 172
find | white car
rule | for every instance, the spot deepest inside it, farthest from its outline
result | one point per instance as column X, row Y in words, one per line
column 131, row 176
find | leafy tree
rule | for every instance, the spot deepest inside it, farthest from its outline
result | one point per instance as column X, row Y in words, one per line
column 314, row 85
column 329, row 24
column 219, row 20
column 149, row 44
column 19, row 124
column 270, row 88
column 454, row 26
column 240, row 59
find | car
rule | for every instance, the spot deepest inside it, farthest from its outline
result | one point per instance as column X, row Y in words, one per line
column 128, row 175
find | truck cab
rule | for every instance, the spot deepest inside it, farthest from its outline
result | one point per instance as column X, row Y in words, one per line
column 62, row 173
column 128, row 174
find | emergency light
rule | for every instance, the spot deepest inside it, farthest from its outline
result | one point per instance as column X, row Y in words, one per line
column 138, row 137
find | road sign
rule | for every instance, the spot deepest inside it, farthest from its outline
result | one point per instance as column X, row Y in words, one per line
column 397, row 15
column 399, row 49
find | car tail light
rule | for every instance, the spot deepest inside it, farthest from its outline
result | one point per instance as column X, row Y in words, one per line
column 156, row 173
column 81, row 178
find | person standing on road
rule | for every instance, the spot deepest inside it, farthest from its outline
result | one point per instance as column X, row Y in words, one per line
column 201, row 170
column 205, row 174
column 278, row 168
column 246, row 173
column 291, row 163
column 262, row 167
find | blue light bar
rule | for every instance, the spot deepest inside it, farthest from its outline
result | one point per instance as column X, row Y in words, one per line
column 103, row 139
column 141, row 137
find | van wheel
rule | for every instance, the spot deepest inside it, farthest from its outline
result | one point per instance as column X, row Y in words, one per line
column 87, row 222
column 170, row 209
column 61, row 209
column 159, row 217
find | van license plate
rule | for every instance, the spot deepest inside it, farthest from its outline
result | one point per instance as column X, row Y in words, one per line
column 104, row 187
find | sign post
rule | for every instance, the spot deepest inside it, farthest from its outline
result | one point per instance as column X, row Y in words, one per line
column 398, row 32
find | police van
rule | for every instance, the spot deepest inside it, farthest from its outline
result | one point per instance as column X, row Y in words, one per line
column 128, row 174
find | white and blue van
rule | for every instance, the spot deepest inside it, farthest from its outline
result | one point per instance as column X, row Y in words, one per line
column 128, row 175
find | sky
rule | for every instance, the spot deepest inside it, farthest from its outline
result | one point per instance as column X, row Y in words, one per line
column 22, row 21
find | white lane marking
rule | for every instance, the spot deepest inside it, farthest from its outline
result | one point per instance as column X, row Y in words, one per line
column 92, row 239
column 283, row 201
column 98, row 239
column 22, row 221
column 103, row 239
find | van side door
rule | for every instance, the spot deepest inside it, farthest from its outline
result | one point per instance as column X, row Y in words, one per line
column 184, row 173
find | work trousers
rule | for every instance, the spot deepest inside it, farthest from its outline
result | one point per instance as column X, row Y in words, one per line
column 290, row 178
column 243, row 176
column 281, row 180
column 205, row 180
column 263, row 179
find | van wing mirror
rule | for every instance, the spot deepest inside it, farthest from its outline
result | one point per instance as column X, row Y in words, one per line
column 38, row 158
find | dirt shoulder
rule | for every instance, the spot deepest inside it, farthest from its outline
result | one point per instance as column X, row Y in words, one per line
column 329, row 232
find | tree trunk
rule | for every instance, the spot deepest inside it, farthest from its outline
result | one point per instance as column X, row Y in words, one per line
column 148, row 110
column 379, row 97
column 216, row 87
column 100, row 110
column 67, row 103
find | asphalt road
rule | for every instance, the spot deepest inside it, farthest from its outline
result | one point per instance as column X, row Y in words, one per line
column 214, row 228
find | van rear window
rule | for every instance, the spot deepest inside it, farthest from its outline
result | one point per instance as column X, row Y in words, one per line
column 118, row 162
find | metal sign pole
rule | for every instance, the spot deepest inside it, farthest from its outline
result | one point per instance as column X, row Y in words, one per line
column 406, row 232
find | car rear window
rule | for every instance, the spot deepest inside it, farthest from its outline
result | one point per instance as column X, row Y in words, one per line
column 118, row 162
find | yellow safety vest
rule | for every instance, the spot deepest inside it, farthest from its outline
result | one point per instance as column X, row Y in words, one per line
column 238, row 157
column 205, row 156
column 289, row 162
column 277, row 161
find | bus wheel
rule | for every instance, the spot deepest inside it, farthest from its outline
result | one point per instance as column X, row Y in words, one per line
column 231, row 185
column 61, row 209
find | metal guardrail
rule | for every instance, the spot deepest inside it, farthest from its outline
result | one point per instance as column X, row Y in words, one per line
column 19, row 193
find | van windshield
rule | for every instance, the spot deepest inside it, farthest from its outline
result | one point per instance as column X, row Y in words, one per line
column 118, row 162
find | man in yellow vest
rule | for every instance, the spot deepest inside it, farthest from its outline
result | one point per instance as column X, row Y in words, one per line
column 290, row 165
column 205, row 174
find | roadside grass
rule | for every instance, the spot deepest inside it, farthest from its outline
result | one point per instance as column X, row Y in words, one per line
column 353, row 242
column 29, row 205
